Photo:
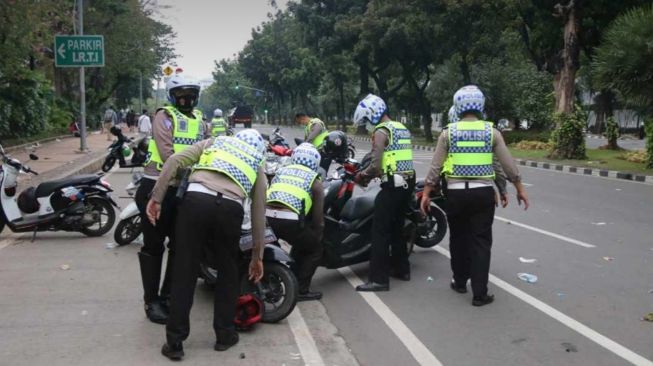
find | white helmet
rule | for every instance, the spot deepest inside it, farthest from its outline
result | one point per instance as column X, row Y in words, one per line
column 469, row 98
column 217, row 112
column 370, row 110
column 306, row 154
column 252, row 137
column 180, row 82
column 453, row 116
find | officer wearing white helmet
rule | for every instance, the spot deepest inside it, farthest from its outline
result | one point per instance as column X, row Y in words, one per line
column 392, row 161
column 175, row 127
column 226, row 171
column 469, row 146
column 295, row 203
column 218, row 124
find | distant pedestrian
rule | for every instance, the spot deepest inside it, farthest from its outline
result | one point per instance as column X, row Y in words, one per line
column 131, row 120
column 110, row 119
column 144, row 124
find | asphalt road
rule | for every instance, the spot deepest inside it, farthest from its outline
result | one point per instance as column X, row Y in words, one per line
column 627, row 142
column 591, row 239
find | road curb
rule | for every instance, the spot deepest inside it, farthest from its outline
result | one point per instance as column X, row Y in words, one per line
column 595, row 172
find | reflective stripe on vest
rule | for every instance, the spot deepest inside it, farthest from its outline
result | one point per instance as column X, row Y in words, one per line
column 470, row 150
column 292, row 185
column 186, row 132
column 318, row 141
column 398, row 155
column 236, row 159
column 218, row 127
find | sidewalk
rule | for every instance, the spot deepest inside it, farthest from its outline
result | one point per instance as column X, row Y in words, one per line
column 61, row 158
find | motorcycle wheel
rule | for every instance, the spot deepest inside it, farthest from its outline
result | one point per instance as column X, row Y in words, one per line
column 103, row 215
column 278, row 291
column 433, row 230
column 127, row 230
column 108, row 163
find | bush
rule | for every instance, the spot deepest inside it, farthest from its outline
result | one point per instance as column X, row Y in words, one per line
column 638, row 156
column 612, row 134
column 513, row 137
column 532, row 145
column 568, row 140
column 24, row 106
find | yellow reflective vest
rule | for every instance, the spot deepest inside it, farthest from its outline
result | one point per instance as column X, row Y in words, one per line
column 186, row 132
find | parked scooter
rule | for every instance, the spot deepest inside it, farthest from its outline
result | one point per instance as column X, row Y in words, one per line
column 129, row 226
column 277, row 155
column 122, row 148
column 79, row 203
column 348, row 220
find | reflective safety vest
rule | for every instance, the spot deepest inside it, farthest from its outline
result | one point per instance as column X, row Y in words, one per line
column 292, row 187
column 234, row 158
column 186, row 132
column 470, row 150
column 319, row 139
column 218, row 127
column 398, row 155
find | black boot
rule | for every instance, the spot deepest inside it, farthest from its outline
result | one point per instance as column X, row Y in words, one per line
column 174, row 351
column 151, row 275
column 164, row 294
column 225, row 338
column 307, row 295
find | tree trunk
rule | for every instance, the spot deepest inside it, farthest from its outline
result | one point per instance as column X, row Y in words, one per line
column 364, row 79
column 464, row 70
column 428, row 121
column 564, row 83
column 341, row 111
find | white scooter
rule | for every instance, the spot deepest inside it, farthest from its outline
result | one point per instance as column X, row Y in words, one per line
column 129, row 227
column 79, row 203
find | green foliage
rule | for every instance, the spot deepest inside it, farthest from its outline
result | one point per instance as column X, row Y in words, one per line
column 649, row 142
column 24, row 106
column 612, row 133
column 623, row 61
column 568, row 140
column 516, row 136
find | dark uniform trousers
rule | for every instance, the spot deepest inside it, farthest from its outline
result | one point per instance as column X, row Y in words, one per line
column 202, row 220
column 470, row 213
column 306, row 248
column 154, row 238
column 390, row 208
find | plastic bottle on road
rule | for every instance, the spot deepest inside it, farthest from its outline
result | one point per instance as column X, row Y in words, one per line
column 527, row 277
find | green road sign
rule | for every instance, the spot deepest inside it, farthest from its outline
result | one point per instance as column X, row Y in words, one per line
column 76, row 51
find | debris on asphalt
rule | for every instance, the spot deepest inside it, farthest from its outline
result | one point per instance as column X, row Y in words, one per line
column 569, row 347
column 242, row 356
column 608, row 259
column 650, row 291
column 560, row 294
column 527, row 260
column 648, row 317
column 58, row 140
column 84, row 312
column 65, row 267
column 617, row 189
column 429, row 279
column 598, row 223
column 527, row 277
column 111, row 245
column 295, row 356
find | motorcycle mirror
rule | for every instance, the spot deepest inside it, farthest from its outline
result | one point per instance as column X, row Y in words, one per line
column 33, row 157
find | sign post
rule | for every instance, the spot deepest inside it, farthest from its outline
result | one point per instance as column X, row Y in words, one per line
column 80, row 51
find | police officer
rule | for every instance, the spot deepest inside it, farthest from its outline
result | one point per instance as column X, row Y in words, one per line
column 470, row 145
column 315, row 133
column 226, row 170
column 392, row 161
column 218, row 124
column 175, row 127
column 295, row 204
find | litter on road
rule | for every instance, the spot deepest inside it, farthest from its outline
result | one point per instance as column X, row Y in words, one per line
column 598, row 223
column 429, row 279
column 111, row 245
column 648, row 317
column 608, row 259
column 527, row 260
column 65, row 267
column 527, row 277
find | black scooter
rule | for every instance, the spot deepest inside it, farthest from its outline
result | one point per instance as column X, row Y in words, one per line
column 139, row 147
column 348, row 220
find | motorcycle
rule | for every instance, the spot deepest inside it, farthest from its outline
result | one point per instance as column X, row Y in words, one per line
column 276, row 138
column 348, row 220
column 122, row 148
column 277, row 155
column 80, row 203
column 129, row 226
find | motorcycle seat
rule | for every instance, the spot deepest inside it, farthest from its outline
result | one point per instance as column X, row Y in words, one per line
column 357, row 208
column 46, row 188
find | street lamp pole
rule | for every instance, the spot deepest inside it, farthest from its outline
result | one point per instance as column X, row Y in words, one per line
column 82, row 85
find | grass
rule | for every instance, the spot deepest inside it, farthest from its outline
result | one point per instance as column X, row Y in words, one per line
column 603, row 159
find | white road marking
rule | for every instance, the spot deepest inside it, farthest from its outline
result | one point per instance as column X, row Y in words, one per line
column 573, row 324
column 417, row 349
column 548, row 233
column 304, row 339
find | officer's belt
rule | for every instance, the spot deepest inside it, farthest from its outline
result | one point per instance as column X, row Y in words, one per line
column 467, row 185
column 280, row 214
column 197, row 187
